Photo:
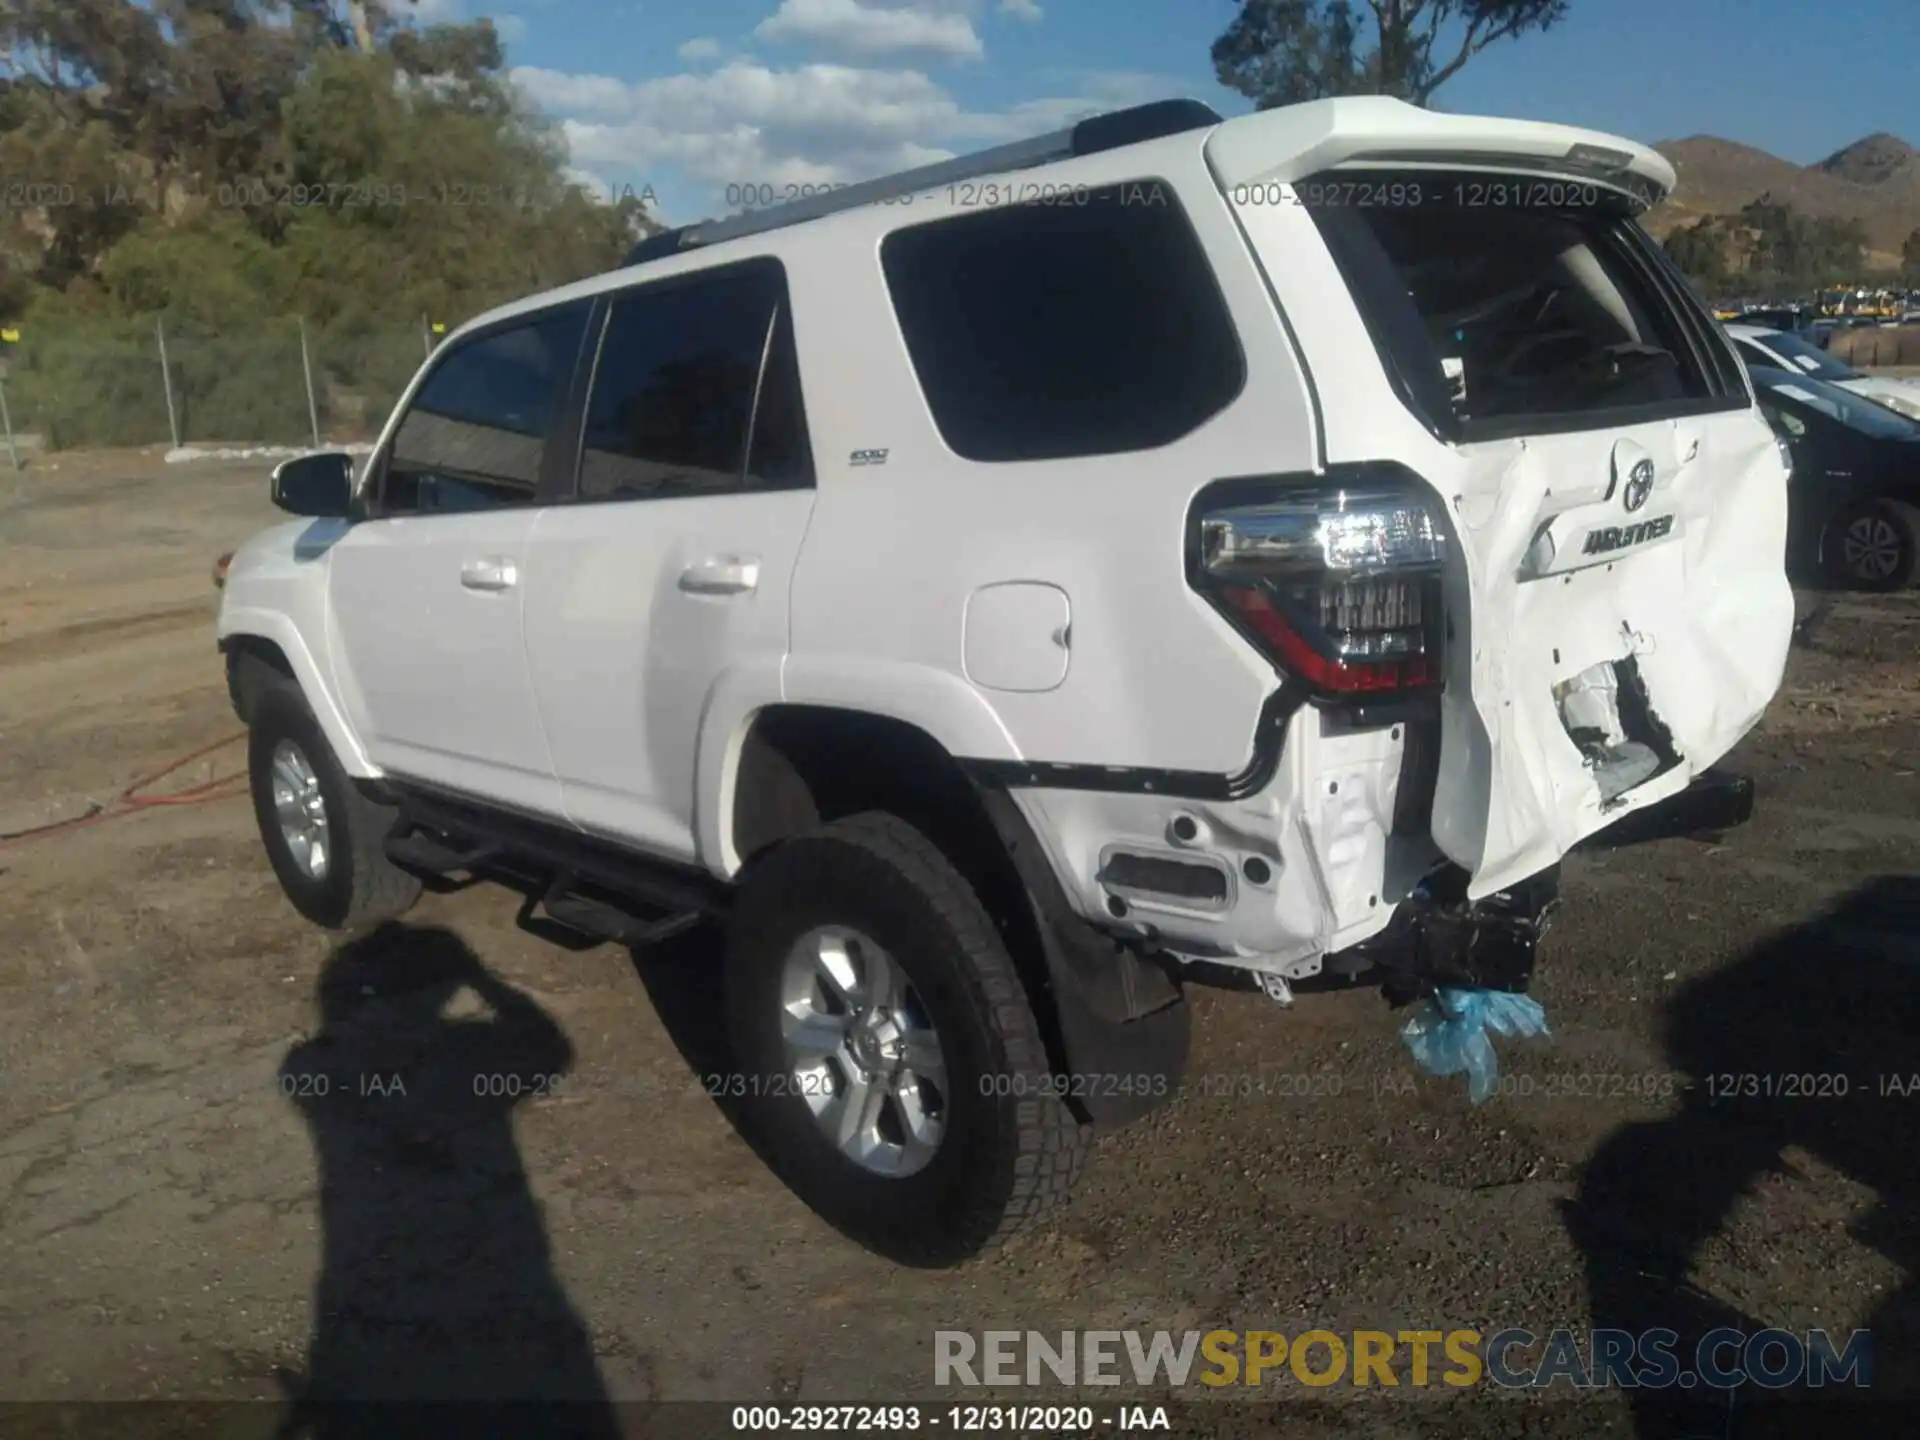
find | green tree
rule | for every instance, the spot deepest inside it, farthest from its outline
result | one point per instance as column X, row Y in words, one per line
column 228, row 165
column 1280, row 52
column 232, row 157
column 1836, row 250
column 1782, row 240
column 1699, row 250
column 1910, row 258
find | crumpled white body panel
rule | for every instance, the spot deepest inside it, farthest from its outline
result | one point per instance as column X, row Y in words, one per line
column 1705, row 611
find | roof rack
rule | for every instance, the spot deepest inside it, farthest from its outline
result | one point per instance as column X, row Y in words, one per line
column 1090, row 137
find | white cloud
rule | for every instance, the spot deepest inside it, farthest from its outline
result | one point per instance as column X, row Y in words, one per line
column 437, row 12
column 852, row 27
column 511, row 27
column 701, row 48
column 562, row 94
column 1028, row 10
column 591, row 181
column 701, row 138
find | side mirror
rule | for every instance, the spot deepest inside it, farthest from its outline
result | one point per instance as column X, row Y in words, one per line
column 320, row 486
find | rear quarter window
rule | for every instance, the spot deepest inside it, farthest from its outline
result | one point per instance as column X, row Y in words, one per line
column 1090, row 324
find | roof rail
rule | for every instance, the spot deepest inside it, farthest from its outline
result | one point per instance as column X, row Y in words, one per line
column 1090, row 137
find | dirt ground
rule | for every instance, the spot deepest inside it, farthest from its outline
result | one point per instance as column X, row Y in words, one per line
column 165, row 1121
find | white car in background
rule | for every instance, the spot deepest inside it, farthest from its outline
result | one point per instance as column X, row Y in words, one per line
column 1777, row 350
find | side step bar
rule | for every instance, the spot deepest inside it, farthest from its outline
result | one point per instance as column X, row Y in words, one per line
column 422, row 850
column 591, row 888
column 604, row 920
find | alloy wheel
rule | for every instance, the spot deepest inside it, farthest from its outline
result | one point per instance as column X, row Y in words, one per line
column 862, row 1053
column 301, row 810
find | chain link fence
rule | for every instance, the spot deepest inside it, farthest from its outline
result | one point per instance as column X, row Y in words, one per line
column 151, row 383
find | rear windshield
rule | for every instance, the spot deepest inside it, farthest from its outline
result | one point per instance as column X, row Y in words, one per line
column 1851, row 410
column 1499, row 316
column 1808, row 358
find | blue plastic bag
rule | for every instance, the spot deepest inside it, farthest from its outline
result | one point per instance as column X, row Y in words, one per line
column 1448, row 1033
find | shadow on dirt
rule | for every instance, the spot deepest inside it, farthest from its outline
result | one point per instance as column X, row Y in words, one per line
column 1803, row 1052
column 684, row 981
column 436, row 1281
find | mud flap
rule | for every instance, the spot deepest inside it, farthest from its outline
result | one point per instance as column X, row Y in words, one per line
column 1121, row 1026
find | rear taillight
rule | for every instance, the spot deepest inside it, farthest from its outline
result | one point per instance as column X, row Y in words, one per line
column 1336, row 581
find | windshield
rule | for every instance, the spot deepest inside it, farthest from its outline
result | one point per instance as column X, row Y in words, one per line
column 1856, row 412
column 1808, row 359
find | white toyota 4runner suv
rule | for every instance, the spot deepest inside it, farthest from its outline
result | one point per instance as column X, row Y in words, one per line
column 1012, row 590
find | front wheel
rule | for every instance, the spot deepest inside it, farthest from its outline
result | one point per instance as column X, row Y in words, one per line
column 325, row 839
column 1873, row 545
column 890, row 1063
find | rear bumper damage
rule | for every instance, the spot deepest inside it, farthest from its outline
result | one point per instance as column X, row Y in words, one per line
column 1716, row 800
column 1439, row 938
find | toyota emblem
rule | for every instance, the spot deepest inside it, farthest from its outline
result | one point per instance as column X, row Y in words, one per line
column 1639, row 484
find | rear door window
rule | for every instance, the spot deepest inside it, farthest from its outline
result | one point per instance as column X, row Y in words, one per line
column 697, row 390
column 1496, row 317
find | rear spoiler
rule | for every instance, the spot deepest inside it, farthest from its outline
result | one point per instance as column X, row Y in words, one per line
column 1371, row 132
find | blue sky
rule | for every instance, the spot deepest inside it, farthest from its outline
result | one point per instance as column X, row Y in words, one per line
column 698, row 98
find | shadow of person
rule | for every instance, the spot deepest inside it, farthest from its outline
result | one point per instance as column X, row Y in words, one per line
column 686, row 985
column 1805, row 1047
column 436, row 1284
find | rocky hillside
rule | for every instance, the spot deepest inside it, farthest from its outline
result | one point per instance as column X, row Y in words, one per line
column 1875, row 180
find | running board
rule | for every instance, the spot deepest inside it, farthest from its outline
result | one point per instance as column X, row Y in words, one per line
column 424, row 852
column 604, row 920
column 644, row 894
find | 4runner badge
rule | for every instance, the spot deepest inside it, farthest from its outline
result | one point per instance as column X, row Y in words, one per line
column 867, row 457
column 1620, row 537
column 1639, row 484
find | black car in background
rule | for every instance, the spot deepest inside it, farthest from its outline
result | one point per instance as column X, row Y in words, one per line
column 1854, row 500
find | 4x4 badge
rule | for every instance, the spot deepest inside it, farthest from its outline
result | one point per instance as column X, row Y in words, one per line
column 867, row 457
column 1639, row 484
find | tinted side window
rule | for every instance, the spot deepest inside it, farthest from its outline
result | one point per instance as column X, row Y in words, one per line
column 1045, row 331
column 474, row 435
column 673, row 405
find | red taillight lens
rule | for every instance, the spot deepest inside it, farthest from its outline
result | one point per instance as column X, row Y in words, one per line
column 1338, row 583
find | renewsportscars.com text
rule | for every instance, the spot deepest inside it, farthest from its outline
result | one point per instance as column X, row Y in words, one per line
column 1515, row 1358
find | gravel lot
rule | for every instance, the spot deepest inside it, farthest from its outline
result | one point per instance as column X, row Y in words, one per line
column 197, row 1205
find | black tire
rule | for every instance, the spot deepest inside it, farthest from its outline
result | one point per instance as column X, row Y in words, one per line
column 1895, row 524
column 360, row 886
column 1011, row 1147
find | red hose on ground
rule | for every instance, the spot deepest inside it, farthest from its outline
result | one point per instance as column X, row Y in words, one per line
column 128, row 802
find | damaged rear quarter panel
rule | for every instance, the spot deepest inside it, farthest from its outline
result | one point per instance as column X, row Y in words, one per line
column 1706, row 609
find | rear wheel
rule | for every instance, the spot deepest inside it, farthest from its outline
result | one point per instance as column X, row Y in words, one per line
column 891, row 1067
column 1873, row 545
column 325, row 839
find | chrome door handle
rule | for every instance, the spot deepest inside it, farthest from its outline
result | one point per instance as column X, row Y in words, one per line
column 733, row 575
column 491, row 572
